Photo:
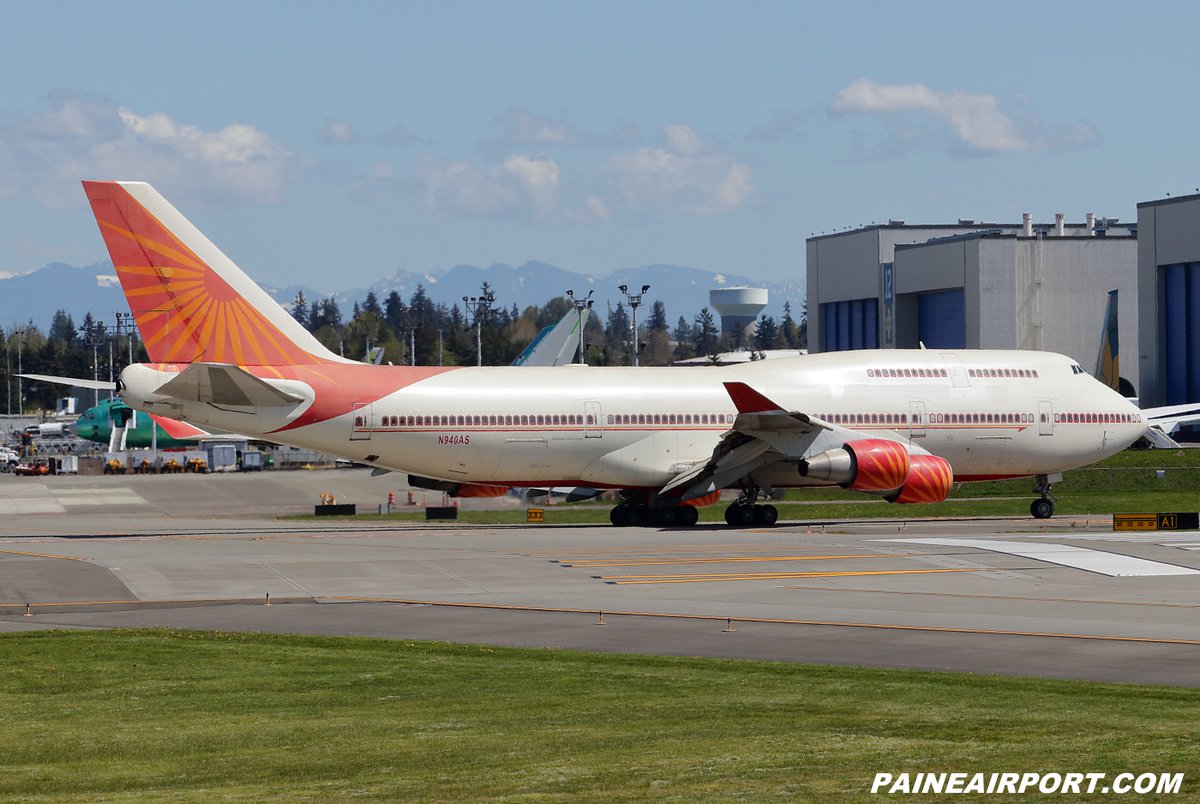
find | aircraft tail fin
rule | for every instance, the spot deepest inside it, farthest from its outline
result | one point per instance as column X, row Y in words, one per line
column 1108, row 361
column 191, row 302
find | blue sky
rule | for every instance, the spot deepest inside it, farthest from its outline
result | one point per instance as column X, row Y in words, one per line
column 328, row 144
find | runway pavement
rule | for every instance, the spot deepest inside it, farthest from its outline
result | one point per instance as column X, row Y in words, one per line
column 1067, row 598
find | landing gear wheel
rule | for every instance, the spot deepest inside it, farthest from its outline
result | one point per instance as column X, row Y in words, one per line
column 624, row 515
column 666, row 517
column 688, row 515
column 765, row 515
column 1042, row 509
column 739, row 516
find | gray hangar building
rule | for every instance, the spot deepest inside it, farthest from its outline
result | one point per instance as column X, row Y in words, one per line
column 979, row 286
column 1168, row 307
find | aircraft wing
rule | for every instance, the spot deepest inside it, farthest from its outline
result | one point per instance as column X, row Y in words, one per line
column 762, row 432
column 1169, row 417
column 224, row 384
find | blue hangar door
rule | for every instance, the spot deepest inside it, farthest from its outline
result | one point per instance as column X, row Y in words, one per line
column 942, row 319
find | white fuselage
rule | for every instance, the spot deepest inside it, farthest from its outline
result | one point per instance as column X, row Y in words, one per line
column 989, row 413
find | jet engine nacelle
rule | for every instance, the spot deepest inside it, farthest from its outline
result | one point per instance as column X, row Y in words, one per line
column 883, row 467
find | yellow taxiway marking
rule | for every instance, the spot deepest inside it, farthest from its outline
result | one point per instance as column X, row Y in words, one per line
column 934, row 629
column 1027, row 598
column 651, row 562
column 771, row 576
column 42, row 555
column 669, row 549
column 43, row 604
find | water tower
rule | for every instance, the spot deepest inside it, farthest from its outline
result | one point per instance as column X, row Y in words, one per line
column 738, row 308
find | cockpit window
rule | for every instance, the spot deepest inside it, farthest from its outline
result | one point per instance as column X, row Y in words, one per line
column 1077, row 369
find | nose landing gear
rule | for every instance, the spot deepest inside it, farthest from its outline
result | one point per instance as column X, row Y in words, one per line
column 1042, row 508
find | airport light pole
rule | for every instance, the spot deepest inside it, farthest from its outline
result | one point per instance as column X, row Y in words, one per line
column 635, row 301
column 582, row 306
column 125, row 320
column 479, row 307
column 20, row 370
column 94, row 335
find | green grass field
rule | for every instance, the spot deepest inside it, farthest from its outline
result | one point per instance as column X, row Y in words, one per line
column 185, row 716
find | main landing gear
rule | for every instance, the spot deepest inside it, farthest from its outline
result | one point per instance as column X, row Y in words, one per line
column 629, row 512
column 1042, row 508
column 745, row 512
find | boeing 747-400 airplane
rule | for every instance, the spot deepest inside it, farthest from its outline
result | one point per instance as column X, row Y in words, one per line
column 903, row 425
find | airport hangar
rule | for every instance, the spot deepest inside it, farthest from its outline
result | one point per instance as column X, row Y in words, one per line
column 1021, row 286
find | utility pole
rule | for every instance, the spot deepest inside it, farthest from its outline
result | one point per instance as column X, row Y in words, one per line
column 479, row 307
column 582, row 306
column 8, row 371
column 635, row 301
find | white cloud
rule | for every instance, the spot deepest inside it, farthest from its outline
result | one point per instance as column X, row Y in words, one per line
column 520, row 128
column 47, row 155
column 594, row 209
column 399, row 135
column 782, row 126
column 684, row 175
column 340, row 132
column 976, row 121
column 521, row 186
column 337, row 132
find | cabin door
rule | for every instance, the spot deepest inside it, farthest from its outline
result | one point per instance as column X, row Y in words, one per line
column 360, row 427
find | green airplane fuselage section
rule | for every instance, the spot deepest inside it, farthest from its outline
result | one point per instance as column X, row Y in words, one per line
column 96, row 424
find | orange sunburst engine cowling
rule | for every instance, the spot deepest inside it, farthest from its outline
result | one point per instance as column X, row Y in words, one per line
column 882, row 465
column 475, row 490
column 929, row 480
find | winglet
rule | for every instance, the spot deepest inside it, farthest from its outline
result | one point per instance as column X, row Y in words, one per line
column 747, row 400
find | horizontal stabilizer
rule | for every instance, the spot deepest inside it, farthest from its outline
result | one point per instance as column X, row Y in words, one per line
column 74, row 382
column 226, row 385
column 180, row 431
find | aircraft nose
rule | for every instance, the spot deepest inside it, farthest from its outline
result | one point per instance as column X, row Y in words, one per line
column 85, row 430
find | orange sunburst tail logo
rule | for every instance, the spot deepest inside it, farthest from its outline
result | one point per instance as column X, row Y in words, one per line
column 185, row 310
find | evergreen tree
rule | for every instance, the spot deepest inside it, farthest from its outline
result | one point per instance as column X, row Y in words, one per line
column 423, row 321
column 371, row 305
column 685, row 340
column 788, row 329
column 766, row 334
column 658, row 318
column 62, row 328
column 300, row 309
column 395, row 313
column 618, row 340
column 802, row 332
column 707, row 337
column 331, row 314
